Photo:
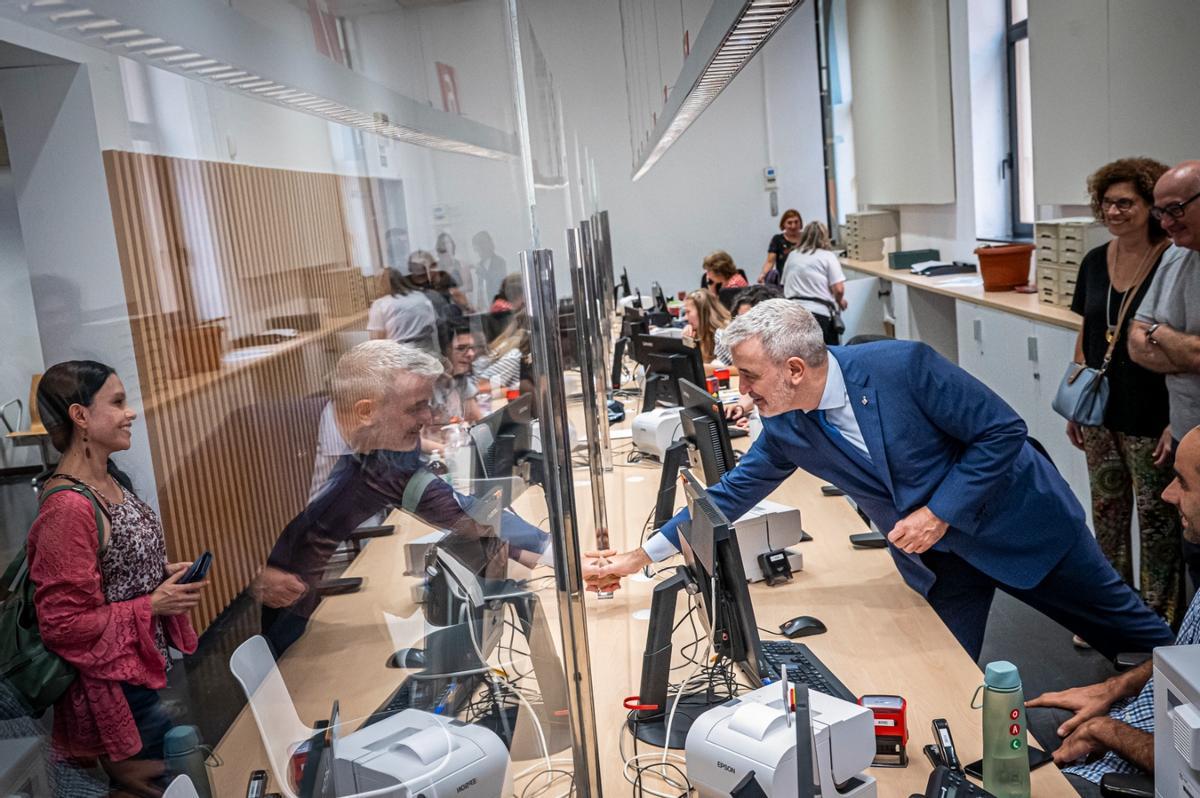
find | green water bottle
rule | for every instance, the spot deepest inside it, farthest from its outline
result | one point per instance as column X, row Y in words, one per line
column 1005, row 758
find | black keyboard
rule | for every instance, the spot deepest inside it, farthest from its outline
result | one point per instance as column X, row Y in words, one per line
column 802, row 666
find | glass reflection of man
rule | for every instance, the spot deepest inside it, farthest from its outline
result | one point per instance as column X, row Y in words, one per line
column 381, row 399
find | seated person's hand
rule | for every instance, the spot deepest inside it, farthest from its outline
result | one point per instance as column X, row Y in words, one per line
column 688, row 332
column 1087, row 742
column 1088, row 702
column 277, row 588
column 735, row 411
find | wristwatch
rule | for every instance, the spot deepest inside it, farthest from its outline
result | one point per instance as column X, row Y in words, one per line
column 1151, row 330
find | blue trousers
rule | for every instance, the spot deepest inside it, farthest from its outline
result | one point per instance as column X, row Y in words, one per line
column 1083, row 593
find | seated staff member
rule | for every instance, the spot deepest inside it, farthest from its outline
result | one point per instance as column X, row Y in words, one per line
column 706, row 321
column 739, row 411
column 381, row 399
column 721, row 272
column 935, row 457
column 813, row 277
column 1106, row 727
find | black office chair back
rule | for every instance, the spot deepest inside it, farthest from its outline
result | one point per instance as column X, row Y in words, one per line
column 866, row 339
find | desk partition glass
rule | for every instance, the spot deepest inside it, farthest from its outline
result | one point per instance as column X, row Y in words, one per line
column 296, row 246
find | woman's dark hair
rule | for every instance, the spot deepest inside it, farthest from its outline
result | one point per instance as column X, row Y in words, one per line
column 398, row 282
column 72, row 382
column 1141, row 173
column 753, row 294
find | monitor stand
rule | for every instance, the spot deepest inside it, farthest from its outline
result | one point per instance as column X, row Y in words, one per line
column 650, row 725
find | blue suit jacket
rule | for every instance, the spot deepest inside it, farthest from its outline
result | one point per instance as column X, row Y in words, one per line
column 937, row 437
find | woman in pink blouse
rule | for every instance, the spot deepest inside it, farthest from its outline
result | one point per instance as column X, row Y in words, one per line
column 107, row 600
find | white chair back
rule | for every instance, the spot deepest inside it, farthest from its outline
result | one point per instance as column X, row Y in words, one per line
column 271, row 704
column 181, row 787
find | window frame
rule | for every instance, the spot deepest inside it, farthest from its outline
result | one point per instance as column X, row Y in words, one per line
column 1014, row 32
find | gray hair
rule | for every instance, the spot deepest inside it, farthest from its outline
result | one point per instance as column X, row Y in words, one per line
column 369, row 370
column 785, row 328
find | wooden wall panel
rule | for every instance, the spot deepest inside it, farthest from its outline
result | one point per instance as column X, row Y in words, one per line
column 232, row 442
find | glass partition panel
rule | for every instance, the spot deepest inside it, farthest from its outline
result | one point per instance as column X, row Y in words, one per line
column 270, row 278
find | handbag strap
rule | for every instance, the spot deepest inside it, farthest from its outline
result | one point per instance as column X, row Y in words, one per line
column 1127, row 302
column 18, row 569
column 99, row 509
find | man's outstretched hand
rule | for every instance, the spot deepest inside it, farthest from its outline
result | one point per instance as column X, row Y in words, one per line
column 602, row 570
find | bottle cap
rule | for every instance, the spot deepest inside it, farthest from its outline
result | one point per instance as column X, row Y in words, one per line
column 180, row 741
column 1001, row 675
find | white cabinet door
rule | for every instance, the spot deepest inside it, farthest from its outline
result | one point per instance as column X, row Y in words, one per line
column 1055, row 349
column 993, row 346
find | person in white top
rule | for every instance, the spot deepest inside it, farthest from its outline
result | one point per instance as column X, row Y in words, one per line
column 813, row 276
column 404, row 314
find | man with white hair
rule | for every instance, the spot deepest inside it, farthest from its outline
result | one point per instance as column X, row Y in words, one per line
column 381, row 400
column 932, row 456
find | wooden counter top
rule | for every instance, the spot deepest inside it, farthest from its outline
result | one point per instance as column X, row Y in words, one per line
column 969, row 288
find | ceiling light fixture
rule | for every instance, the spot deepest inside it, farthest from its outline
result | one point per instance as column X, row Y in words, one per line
column 99, row 23
column 732, row 33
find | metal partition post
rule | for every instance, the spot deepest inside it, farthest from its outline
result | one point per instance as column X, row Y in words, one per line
column 593, row 401
column 609, row 273
column 537, row 268
column 596, row 337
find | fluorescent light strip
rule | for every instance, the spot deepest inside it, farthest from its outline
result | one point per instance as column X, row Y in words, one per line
column 749, row 32
column 70, row 18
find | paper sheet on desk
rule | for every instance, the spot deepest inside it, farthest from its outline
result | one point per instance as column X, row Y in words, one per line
column 961, row 281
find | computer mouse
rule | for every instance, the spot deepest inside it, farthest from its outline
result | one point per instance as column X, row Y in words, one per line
column 802, row 626
column 413, row 658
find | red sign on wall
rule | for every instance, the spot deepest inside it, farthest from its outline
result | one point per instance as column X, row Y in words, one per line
column 448, row 83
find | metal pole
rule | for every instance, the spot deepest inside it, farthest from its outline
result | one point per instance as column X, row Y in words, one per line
column 537, row 268
column 596, row 338
column 592, row 409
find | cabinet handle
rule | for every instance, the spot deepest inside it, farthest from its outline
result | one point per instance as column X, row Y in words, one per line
column 1032, row 342
column 977, row 325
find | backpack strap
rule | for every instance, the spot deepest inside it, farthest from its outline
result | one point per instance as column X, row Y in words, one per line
column 415, row 489
column 97, row 507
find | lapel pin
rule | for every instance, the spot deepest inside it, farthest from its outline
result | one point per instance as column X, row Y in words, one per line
column 864, row 401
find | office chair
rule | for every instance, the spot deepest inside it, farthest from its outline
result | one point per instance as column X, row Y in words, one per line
column 271, row 704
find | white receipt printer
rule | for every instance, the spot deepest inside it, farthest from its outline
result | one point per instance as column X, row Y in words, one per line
column 655, row 430
column 751, row 733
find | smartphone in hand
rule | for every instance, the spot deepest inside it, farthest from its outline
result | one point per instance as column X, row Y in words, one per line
column 198, row 570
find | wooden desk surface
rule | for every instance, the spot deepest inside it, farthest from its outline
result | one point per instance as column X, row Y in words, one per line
column 952, row 285
column 882, row 638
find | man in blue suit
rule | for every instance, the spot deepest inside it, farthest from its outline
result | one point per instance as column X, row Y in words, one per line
column 930, row 454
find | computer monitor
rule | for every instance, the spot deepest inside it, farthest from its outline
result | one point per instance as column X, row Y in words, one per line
column 705, row 428
column 634, row 322
column 710, row 549
column 714, row 573
column 614, row 381
column 660, row 299
column 667, row 361
column 625, row 283
column 499, row 441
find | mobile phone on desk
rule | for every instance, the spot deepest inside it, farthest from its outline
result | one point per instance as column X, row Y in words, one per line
column 257, row 788
column 198, row 570
column 1037, row 758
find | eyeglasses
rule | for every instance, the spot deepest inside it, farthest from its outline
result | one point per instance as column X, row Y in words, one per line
column 1174, row 210
column 1124, row 204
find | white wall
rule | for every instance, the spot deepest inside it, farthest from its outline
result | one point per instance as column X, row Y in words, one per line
column 707, row 191
column 18, row 324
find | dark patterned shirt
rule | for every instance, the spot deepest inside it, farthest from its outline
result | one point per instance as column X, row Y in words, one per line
column 135, row 562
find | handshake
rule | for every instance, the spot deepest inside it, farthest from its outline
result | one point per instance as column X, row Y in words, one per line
column 602, row 570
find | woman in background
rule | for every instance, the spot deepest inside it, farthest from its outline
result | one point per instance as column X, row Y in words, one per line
column 1129, row 455
column 813, row 276
column 721, row 273
column 404, row 314
column 782, row 244
column 107, row 600
column 706, row 321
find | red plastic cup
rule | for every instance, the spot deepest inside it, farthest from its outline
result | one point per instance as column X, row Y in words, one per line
column 512, row 394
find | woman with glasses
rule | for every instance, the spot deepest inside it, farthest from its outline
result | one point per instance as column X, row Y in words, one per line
column 1129, row 455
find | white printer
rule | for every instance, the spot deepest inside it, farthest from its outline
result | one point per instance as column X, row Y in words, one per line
column 655, row 430
column 414, row 752
column 751, row 733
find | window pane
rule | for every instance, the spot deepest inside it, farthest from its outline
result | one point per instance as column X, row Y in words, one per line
column 1018, row 11
column 1024, row 133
